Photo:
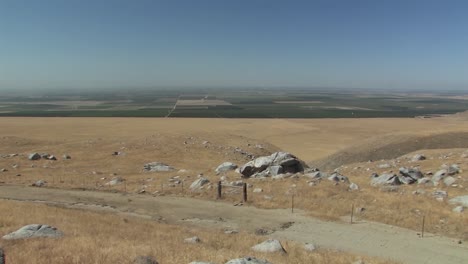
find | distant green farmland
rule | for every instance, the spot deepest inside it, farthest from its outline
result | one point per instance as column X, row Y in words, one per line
column 233, row 103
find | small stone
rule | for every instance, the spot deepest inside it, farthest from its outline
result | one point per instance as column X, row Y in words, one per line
column 39, row 183
column 258, row 190
column 269, row 246
column 459, row 209
column 247, row 260
column 34, row 156
column 309, row 247
column 192, row 240
column 353, row 187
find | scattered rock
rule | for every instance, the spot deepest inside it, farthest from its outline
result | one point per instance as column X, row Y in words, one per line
column 309, row 247
column 230, row 232
column 258, row 190
column 385, row 179
column 247, row 260
column 424, row 180
column 34, row 230
column 157, row 167
column 66, row 157
column 3, row 170
column 268, row 246
column 462, row 200
column 115, row 181
column 439, row 175
column 200, row 262
column 448, row 181
column 225, row 166
column 418, row 157
column 192, row 240
column 34, row 156
column 353, row 187
column 384, row 166
column 459, row 209
column 316, row 175
column 145, row 260
column 39, row 183
column 336, row 177
column 452, row 169
column 198, row 183
column 440, row 195
column 410, row 176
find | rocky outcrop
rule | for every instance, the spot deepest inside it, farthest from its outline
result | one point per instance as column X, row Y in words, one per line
column 276, row 163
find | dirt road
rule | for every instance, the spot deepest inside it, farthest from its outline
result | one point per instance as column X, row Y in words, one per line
column 371, row 239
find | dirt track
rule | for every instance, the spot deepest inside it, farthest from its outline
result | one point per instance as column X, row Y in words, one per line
column 363, row 238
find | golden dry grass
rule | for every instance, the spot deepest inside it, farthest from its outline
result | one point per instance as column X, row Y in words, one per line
column 179, row 142
column 92, row 237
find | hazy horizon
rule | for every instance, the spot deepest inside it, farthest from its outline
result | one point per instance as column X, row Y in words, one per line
column 68, row 45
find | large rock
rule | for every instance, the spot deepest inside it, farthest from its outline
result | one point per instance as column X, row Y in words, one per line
column 198, row 183
column 269, row 246
column 452, row 169
column 288, row 163
column 34, row 230
column 461, row 200
column 385, row 179
column 145, row 260
column 157, row 167
column 225, row 166
column 34, row 156
column 247, row 260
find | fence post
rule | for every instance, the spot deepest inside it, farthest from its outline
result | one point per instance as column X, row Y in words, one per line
column 2, row 257
column 219, row 190
column 292, row 204
column 244, row 191
column 352, row 213
column 422, row 228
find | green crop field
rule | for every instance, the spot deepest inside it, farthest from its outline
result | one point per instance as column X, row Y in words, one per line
column 233, row 103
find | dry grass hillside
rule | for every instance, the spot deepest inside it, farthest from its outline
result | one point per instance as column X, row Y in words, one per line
column 197, row 146
column 101, row 238
column 391, row 146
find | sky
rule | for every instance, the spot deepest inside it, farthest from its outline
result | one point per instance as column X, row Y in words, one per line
column 374, row 44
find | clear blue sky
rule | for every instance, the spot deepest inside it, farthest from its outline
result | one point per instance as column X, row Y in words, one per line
column 348, row 43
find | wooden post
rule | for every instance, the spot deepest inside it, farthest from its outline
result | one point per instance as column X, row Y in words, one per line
column 292, row 204
column 422, row 228
column 352, row 213
column 2, row 256
column 219, row 190
column 244, row 191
